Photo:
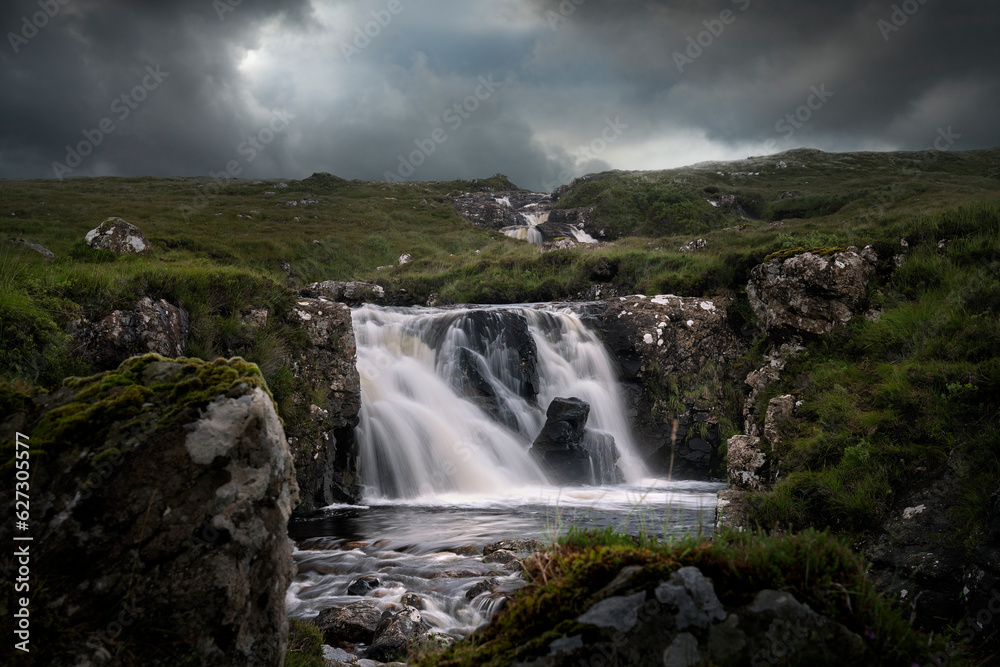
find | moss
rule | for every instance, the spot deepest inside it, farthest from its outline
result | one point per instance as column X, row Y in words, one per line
column 117, row 398
column 822, row 251
column 305, row 645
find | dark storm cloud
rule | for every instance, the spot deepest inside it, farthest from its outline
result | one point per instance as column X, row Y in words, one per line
column 371, row 92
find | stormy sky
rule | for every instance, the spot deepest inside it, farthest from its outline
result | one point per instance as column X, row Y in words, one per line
column 540, row 90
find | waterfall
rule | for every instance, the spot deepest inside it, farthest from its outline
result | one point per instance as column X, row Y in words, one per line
column 453, row 398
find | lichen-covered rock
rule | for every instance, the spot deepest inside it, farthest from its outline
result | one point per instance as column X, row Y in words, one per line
column 118, row 236
column 326, row 457
column 746, row 467
column 676, row 355
column 157, row 327
column 160, row 498
column 353, row 293
column 353, row 624
column 394, row 635
column 810, row 292
column 681, row 622
column 780, row 411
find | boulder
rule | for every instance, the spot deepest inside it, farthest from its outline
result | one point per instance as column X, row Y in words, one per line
column 40, row 249
column 568, row 452
column 520, row 546
column 118, row 236
column 159, row 516
column 151, row 326
column 353, row 624
column 394, row 635
column 810, row 293
column 326, row 453
column 363, row 585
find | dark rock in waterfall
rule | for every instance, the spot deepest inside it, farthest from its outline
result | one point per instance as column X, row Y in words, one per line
column 508, row 354
column 363, row 585
column 412, row 600
column 353, row 624
column 570, row 453
column 472, row 378
column 604, row 455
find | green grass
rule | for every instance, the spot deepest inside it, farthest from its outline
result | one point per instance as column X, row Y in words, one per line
column 882, row 399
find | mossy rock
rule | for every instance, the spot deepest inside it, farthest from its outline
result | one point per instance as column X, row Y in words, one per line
column 822, row 251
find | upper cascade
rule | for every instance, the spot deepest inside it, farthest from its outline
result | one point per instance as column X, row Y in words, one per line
column 527, row 216
column 453, row 398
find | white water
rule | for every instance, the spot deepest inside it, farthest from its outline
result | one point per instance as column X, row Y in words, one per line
column 440, row 472
column 420, row 437
column 528, row 233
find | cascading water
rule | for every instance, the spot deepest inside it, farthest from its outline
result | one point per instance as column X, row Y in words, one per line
column 451, row 401
column 449, row 396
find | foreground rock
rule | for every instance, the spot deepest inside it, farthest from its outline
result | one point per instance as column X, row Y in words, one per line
column 810, row 292
column 326, row 456
column 354, row 624
column 159, row 516
column 156, row 327
column 395, row 633
column 681, row 622
column 568, row 452
column 118, row 236
column 676, row 355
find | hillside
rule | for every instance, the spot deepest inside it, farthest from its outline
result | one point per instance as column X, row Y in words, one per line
column 896, row 410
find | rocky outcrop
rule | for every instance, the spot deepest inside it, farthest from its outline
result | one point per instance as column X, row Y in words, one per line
column 746, row 463
column 676, row 356
column 152, row 326
column 811, row 292
column 158, row 515
column 681, row 622
column 567, row 453
column 932, row 579
column 353, row 293
column 118, row 236
column 323, row 444
column 40, row 249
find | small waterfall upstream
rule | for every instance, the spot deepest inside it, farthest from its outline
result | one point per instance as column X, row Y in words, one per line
column 452, row 399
